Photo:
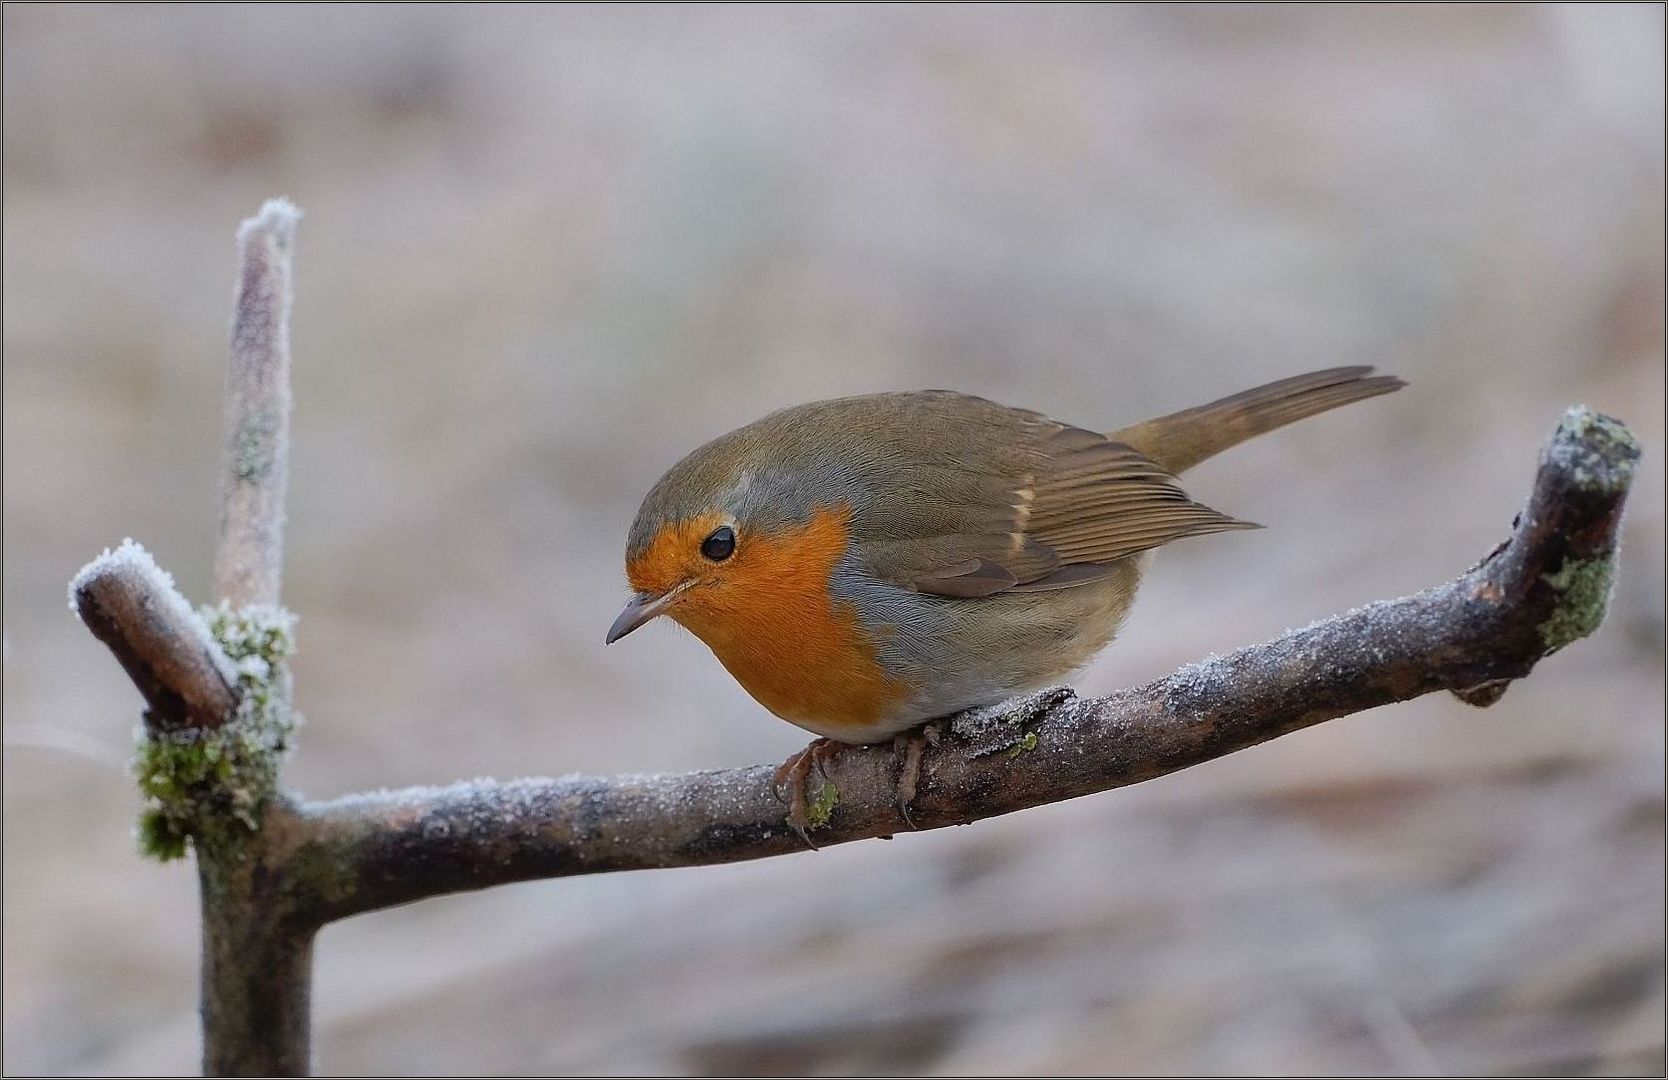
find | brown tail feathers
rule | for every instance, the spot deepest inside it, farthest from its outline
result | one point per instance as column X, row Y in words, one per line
column 1183, row 439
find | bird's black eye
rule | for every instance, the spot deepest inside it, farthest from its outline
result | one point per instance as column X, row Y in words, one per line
column 720, row 545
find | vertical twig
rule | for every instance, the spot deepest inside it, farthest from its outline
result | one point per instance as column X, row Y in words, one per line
column 257, row 979
column 249, row 563
column 257, row 967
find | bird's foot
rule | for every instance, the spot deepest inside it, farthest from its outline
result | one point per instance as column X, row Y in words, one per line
column 907, row 749
column 789, row 785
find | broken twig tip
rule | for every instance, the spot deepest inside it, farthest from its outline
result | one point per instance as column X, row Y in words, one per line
column 277, row 218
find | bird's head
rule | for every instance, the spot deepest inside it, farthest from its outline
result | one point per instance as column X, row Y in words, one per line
column 729, row 547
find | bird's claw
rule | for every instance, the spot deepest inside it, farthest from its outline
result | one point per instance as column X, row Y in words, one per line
column 907, row 750
column 789, row 781
column 789, row 784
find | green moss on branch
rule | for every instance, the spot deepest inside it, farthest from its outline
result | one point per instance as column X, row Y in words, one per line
column 1584, row 588
column 207, row 786
column 820, row 808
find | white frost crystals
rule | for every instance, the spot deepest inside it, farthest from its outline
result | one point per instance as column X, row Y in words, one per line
column 130, row 553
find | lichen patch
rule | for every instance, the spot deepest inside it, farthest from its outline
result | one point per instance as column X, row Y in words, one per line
column 207, row 786
column 1584, row 585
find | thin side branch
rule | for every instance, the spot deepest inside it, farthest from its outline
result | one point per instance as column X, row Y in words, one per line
column 131, row 605
column 248, row 566
column 1543, row 588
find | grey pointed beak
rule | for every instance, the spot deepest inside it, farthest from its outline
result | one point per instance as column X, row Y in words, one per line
column 642, row 608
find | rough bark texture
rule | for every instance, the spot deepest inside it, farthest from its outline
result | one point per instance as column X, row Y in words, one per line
column 265, row 895
column 257, row 973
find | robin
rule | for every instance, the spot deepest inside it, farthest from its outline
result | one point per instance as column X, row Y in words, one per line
column 865, row 565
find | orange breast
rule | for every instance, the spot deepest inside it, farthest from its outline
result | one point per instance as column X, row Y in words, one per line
column 768, row 615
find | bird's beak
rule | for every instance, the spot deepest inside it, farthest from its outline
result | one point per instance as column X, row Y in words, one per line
column 642, row 608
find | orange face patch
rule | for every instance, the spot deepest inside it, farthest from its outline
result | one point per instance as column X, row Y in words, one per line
column 768, row 615
column 674, row 555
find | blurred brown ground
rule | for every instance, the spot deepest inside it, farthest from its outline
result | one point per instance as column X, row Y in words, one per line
column 548, row 251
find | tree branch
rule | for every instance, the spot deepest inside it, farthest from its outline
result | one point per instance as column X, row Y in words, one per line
column 256, row 980
column 217, row 732
column 1543, row 588
column 248, row 565
column 131, row 605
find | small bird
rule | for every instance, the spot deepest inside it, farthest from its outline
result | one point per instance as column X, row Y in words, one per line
column 865, row 565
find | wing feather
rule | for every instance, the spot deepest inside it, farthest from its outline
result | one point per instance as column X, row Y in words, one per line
column 1031, row 505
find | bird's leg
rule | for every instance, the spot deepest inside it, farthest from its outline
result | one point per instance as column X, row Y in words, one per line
column 791, row 777
column 907, row 750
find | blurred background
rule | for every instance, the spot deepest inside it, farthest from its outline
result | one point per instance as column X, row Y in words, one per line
column 547, row 251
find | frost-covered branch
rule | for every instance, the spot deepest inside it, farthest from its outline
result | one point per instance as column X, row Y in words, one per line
column 1545, row 587
column 249, row 563
column 218, row 689
column 131, row 605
